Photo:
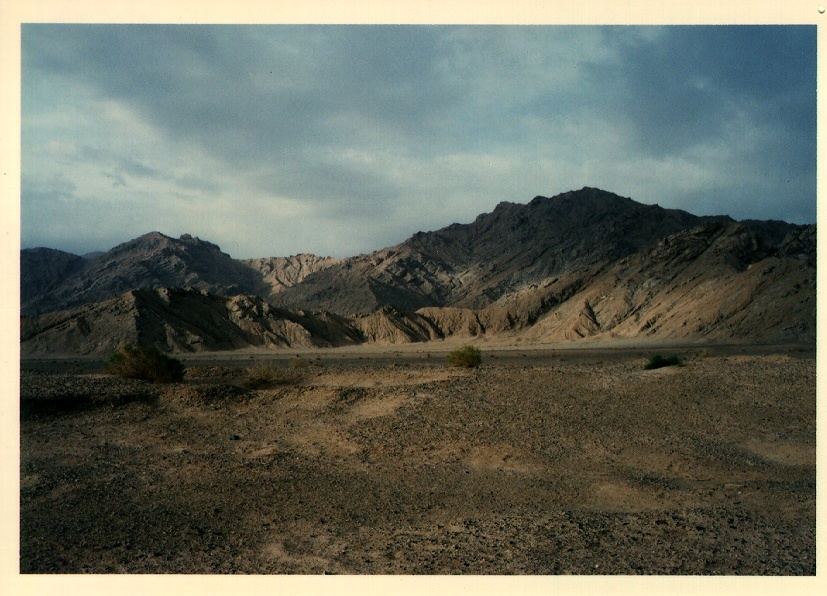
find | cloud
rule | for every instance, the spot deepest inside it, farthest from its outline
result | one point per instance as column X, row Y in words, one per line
column 343, row 139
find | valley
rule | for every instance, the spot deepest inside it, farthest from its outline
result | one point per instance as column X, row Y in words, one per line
column 567, row 462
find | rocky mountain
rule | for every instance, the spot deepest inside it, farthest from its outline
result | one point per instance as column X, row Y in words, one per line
column 149, row 261
column 42, row 268
column 462, row 265
column 473, row 265
column 52, row 280
column 715, row 282
column 181, row 319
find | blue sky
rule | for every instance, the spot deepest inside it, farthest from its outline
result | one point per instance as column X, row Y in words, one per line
column 336, row 140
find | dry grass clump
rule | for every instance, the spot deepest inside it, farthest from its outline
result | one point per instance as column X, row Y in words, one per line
column 465, row 357
column 299, row 363
column 145, row 363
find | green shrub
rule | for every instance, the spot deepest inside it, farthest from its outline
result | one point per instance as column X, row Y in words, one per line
column 267, row 374
column 658, row 361
column 466, row 357
column 145, row 363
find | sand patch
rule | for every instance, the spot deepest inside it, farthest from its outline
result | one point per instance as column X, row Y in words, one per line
column 377, row 407
column 309, row 398
column 323, row 439
column 619, row 496
column 265, row 451
column 502, row 458
column 664, row 371
column 385, row 378
column 287, row 555
column 785, row 453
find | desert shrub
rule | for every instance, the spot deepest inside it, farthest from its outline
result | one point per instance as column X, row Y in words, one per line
column 299, row 362
column 267, row 374
column 146, row 364
column 658, row 361
column 465, row 357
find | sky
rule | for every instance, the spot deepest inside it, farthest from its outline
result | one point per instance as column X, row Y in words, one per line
column 344, row 139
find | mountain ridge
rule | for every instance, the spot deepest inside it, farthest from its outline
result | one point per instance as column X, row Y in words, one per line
column 586, row 263
column 473, row 265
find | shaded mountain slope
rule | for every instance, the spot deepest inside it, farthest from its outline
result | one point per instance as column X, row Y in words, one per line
column 149, row 261
column 714, row 282
column 718, row 281
column 190, row 320
column 42, row 269
column 473, row 265
column 183, row 320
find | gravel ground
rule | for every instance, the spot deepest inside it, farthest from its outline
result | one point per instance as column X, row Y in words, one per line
column 553, row 467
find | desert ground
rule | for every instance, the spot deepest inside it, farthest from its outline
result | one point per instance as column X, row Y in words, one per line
column 540, row 461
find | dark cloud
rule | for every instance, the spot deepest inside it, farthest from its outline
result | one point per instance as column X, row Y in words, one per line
column 371, row 123
column 687, row 85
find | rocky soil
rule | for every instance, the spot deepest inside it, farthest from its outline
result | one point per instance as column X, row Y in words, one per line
column 551, row 464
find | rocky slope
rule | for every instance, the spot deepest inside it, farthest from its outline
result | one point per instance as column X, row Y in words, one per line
column 473, row 265
column 42, row 269
column 713, row 282
column 629, row 271
column 181, row 319
column 462, row 265
column 149, row 261
column 279, row 273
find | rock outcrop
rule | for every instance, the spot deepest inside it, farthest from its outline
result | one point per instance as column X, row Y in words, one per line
column 279, row 273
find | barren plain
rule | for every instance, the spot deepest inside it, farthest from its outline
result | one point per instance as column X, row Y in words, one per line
column 537, row 462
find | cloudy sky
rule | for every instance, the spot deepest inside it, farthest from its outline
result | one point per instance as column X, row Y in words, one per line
column 336, row 140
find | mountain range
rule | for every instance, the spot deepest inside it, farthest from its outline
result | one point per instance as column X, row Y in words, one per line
column 585, row 263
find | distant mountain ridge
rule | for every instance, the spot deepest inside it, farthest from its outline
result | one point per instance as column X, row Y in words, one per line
column 150, row 261
column 583, row 264
column 473, row 265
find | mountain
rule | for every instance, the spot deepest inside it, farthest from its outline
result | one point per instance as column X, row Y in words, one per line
column 42, row 269
column 149, row 261
column 585, row 264
column 191, row 320
column 462, row 265
column 52, row 280
column 473, row 265
column 717, row 281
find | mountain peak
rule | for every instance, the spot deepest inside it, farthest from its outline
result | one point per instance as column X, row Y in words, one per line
column 473, row 265
column 154, row 241
column 151, row 260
